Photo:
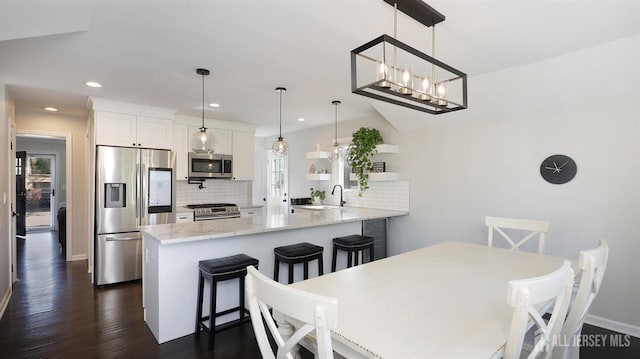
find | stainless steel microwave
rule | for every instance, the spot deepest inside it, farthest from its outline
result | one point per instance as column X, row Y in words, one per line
column 210, row 166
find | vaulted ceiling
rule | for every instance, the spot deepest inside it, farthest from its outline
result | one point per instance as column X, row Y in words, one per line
column 146, row 52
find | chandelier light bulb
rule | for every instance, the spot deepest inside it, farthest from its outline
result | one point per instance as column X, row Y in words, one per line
column 406, row 82
column 405, row 77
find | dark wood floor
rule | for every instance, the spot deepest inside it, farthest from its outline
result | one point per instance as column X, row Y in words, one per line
column 55, row 312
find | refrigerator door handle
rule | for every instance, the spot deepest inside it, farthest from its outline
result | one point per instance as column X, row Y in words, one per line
column 144, row 182
column 134, row 238
column 138, row 204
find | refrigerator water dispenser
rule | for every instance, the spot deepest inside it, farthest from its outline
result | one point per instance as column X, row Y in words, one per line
column 115, row 195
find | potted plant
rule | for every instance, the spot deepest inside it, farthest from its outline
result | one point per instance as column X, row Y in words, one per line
column 363, row 146
column 317, row 196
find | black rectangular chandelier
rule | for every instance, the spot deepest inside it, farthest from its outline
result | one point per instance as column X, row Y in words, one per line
column 389, row 70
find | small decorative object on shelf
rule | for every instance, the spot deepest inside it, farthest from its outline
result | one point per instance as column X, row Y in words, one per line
column 363, row 146
column 378, row 167
column 317, row 196
column 313, row 169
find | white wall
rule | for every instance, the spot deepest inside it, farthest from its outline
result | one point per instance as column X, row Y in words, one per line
column 485, row 161
column 77, row 196
column 6, row 113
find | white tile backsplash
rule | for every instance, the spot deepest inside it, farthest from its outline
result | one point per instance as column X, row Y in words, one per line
column 215, row 191
column 392, row 195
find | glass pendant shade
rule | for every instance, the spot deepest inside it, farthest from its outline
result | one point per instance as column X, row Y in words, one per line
column 337, row 152
column 203, row 142
column 280, row 147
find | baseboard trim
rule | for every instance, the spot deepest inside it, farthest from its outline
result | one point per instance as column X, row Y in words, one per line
column 5, row 301
column 623, row 328
column 79, row 257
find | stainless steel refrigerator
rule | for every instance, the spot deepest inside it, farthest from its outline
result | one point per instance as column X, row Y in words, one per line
column 134, row 187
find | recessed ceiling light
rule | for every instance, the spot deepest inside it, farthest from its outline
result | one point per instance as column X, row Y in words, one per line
column 51, row 109
column 301, row 119
column 215, row 105
column 93, row 84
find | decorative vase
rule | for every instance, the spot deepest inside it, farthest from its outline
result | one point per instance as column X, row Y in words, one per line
column 316, row 201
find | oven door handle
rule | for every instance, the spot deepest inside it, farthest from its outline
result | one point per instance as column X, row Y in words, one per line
column 207, row 218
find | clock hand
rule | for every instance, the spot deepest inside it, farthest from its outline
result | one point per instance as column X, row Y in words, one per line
column 563, row 165
column 550, row 168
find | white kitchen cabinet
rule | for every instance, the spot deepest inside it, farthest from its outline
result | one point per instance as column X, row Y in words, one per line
column 115, row 129
column 182, row 217
column 181, row 149
column 251, row 212
column 118, row 129
column 243, row 155
column 154, row 132
column 223, row 138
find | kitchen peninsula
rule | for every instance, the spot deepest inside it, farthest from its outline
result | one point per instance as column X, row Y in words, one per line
column 171, row 253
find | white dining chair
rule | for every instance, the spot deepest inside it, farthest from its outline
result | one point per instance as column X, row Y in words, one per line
column 311, row 312
column 528, row 297
column 593, row 264
column 531, row 228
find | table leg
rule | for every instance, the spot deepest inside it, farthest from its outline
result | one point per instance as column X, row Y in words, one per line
column 286, row 331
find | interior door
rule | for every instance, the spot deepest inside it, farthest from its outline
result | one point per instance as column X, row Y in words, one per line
column 277, row 182
column 21, row 194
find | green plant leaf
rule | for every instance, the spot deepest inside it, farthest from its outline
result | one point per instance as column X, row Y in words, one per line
column 363, row 146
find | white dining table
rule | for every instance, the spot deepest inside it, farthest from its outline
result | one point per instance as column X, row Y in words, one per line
column 443, row 301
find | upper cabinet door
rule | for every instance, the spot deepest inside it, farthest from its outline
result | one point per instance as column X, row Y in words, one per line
column 243, row 155
column 223, row 141
column 115, row 129
column 181, row 137
column 154, row 133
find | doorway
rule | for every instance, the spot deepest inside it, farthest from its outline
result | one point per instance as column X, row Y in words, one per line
column 40, row 187
column 277, row 183
column 42, row 170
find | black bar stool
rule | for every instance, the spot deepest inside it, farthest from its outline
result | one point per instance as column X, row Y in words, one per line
column 297, row 253
column 217, row 270
column 354, row 244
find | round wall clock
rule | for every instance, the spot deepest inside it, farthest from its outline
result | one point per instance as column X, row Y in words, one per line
column 558, row 169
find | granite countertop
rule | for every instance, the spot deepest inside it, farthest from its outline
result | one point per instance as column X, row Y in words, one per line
column 202, row 230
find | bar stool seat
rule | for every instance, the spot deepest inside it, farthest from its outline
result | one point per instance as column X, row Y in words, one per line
column 217, row 270
column 297, row 253
column 354, row 245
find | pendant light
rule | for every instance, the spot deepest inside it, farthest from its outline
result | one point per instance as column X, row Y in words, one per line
column 280, row 148
column 202, row 142
column 405, row 76
column 337, row 152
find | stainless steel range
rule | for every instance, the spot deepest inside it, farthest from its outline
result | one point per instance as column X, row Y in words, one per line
column 209, row 211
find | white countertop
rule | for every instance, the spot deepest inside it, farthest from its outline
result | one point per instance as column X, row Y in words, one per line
column 202, row 230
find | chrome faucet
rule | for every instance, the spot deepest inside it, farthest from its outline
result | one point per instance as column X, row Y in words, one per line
column 334, row 189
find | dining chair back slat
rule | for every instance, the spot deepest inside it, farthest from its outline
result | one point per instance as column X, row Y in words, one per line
column 531, row 227
column 268, row 298
column 529, row 297
column 593, row 264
